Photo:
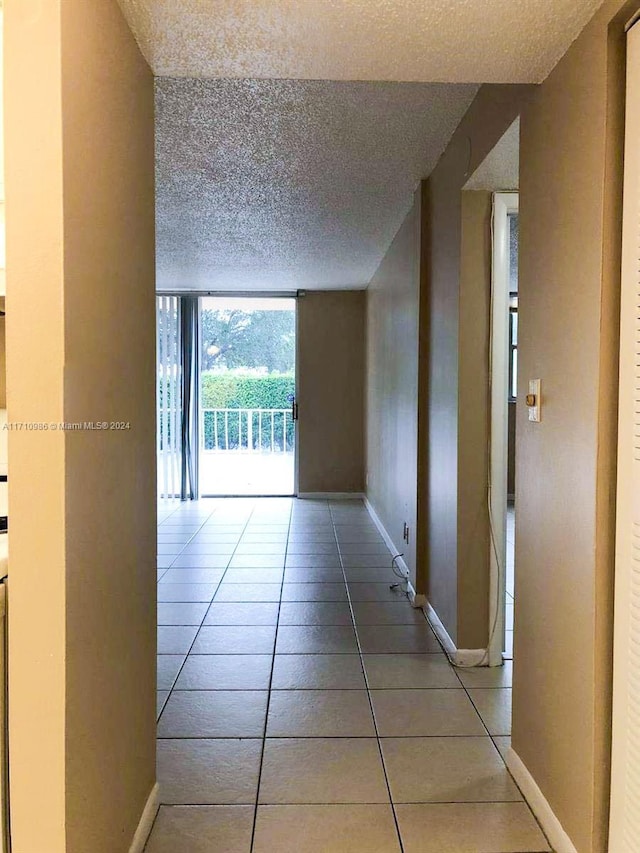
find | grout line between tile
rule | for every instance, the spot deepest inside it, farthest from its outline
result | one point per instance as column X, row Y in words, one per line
column 270, row 689
column 266, row 716
column 492, row 738
column 170, row 690
column 366, row 681
column 195, row 532
column 217, row 587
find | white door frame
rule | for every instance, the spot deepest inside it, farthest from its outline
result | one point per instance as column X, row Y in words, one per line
column 296, row 431
column 503, row 205
column 624, row 820
column 255, row 294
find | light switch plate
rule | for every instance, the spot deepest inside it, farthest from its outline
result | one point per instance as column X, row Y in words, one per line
column 535, row 411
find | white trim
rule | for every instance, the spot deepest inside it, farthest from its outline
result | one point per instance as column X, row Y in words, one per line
column 146, row 821
column 330, row 496
column 388, row 541
column 460, row 657
column 418, row 600
column 296, row 391
column 471, row 657
column 441, row 632
column 236, row 294
column 503, row 205
column 550, row 824
column 632, row 21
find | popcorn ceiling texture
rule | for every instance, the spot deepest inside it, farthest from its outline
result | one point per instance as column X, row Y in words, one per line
column 285, row 184
column 458, row 41
column 500, row 169
column 272, row 174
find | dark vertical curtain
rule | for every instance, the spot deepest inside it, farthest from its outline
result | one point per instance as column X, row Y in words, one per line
column 190, row 362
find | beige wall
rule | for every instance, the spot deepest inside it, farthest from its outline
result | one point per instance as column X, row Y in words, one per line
column 473, row 420
column 448, row 500
column 330, row 369
column 571, row 154
column 37, row 678
column 80, row 347
column 392, row 384
column 3, row 366
column 570, row 192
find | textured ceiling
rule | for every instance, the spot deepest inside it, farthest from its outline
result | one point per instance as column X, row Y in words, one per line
column 284, row 185
column 454, row 41
column 500, row 169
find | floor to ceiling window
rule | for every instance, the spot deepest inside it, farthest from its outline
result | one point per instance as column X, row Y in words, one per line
column 226, row 385
column 247, row 395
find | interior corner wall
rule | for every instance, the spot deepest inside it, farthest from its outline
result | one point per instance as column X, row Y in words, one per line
column 80, row 348
column 473, row 535
column 449, row 359
column 393, row 301
column 572, row 137
column 330, row 371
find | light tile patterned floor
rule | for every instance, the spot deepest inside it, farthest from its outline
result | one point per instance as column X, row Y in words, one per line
column 510, row 580
column 305, row 706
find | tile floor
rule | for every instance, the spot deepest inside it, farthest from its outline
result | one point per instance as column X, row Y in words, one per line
column 305, row 706
column 510, row 580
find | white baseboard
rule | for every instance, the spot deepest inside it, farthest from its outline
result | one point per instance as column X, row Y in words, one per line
column 440, row 631
column 388, row 541
column 461, row 657
column 550, row 824
column 418, row 600
column 146, row 821
column 330, row 496
column 472, row 657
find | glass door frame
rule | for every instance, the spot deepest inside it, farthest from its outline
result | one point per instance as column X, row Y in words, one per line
column 286, row 295
column 504, row 204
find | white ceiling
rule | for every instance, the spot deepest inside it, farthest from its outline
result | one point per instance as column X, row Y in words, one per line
column 285, row 185
column 453, row 41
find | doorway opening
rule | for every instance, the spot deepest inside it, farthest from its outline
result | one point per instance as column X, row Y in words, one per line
column 505, row 366
column 247, row 396
column 496, row 225
column 489, row 379
column 503, row 378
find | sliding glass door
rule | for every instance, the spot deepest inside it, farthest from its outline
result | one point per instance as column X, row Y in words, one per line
column 225, row 389
column 247, row 395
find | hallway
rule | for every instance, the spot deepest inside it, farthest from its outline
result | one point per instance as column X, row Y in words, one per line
column 356, row 735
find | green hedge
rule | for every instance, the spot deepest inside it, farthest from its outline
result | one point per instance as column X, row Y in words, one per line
column 229, row 391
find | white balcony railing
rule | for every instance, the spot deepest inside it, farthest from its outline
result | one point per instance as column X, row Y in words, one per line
column 247, row 430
